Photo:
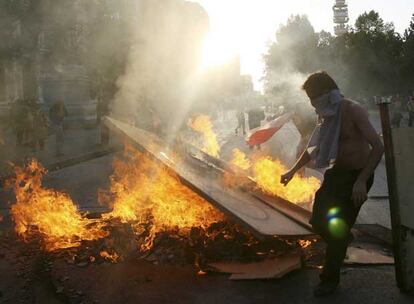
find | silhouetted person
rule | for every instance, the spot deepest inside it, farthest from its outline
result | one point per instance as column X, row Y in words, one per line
column 37, row 126
column 57, row 114
column 255, row 117
column 18, row 120
column 241, row 122
column 410, row 108
column 396, row 109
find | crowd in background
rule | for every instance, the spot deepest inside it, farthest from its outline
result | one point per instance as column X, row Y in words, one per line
column 31, row 126
column 401, row 107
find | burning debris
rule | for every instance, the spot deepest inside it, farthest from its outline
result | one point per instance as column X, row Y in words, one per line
column 48, row 213
column 144, row 193
column 153, row 216
column 266, row 172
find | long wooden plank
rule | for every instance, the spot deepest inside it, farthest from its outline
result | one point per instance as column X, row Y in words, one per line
column 293, row 211
column 260, row 218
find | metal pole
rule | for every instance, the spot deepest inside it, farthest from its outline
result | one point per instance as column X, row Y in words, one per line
column 397, row 232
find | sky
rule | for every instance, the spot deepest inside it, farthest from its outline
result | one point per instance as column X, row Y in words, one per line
column 246, row 27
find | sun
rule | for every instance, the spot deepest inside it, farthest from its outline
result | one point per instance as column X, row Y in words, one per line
column 217, row 50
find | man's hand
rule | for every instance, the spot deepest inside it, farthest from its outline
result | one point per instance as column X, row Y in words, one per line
column 287, row 177
column 359, row 193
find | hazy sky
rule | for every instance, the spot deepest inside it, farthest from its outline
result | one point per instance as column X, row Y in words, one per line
column 245, row 27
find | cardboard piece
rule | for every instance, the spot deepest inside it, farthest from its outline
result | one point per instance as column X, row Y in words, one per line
column 267, row 269
column 367, row 256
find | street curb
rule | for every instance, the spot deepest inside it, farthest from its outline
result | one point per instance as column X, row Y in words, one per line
column 80, row 159
column 69, row 162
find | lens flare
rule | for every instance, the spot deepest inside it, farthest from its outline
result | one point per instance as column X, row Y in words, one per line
column 333, row 212
column 338, row 228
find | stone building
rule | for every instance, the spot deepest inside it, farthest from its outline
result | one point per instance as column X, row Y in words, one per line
column 41, row 57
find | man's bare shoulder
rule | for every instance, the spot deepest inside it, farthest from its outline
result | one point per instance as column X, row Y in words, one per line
column 354, row 109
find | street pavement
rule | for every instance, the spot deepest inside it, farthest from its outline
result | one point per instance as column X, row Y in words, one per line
column 77, row 142
column 140, row 281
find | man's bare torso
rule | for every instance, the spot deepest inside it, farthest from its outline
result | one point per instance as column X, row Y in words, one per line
column 354, row 149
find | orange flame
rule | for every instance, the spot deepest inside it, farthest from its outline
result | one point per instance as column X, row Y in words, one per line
column 50, row 213
column 240, row 160
column 146, row 192
column 266, row 173
column 109, row 257
column 203, row 125
column 305, row 243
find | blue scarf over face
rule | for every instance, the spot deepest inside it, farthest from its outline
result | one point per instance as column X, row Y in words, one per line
column 325, row 139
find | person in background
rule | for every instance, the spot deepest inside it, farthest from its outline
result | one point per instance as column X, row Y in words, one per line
column 57, row 114
column 18, row 120
column 410, row 108
column 241, row 122
column 38, row 126
column 396, row 108
column 255, row 117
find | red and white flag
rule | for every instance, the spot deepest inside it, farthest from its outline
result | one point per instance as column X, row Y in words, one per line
column 262, row 134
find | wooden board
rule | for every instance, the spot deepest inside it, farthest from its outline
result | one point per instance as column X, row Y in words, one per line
column 292, row 211
column 249, row 211
column 267, row 269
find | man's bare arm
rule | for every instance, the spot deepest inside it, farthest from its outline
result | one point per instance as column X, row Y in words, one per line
column 302, row 161
column 360, row 116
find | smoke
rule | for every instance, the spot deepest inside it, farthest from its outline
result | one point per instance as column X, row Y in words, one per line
column 162, row 66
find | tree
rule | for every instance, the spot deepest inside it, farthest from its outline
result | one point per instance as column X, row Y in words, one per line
column 373, row 56
column 407, row 70
column 294, row 50
column 371, row 59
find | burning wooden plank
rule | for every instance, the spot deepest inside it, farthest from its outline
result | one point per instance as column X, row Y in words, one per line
column 243, row 207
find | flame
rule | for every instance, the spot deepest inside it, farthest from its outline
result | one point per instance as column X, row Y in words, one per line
column 305, row 243
column 50, row 213
column 202, row 124
column 240, row 160
column 109, row 257
column 145, row 193
column 266, row 172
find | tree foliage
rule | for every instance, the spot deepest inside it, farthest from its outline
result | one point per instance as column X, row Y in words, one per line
column 371, row 59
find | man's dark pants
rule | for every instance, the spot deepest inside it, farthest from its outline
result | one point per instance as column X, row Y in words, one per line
column 333, row 216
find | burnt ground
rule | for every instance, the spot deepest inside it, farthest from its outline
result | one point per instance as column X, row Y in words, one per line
column 30, row 275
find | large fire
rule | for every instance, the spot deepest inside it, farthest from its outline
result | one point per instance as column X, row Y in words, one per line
column 145, row 192
column 203, row 125
column 47, row 212
column 266, row 172
column 142, row 193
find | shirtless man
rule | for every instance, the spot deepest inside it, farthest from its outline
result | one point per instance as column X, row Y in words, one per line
column 350, row 146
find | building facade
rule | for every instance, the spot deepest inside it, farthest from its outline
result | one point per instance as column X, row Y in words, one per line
column 41, row 60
